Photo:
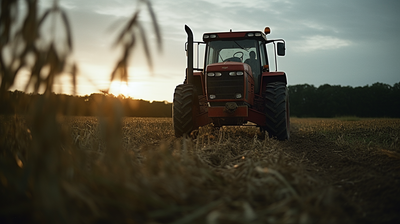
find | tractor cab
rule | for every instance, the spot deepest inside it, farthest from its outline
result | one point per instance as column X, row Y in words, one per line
column 237, row 47
column 243, row 47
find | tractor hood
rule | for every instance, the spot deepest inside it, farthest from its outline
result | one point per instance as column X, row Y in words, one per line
column 228, row 66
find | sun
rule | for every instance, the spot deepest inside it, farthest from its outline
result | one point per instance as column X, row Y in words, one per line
column 124, row 88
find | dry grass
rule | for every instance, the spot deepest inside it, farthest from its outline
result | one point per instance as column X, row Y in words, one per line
column 376, row 133
column 223, row 176
column 359, row 157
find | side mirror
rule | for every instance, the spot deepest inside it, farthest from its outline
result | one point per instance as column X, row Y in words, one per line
column 281, row 49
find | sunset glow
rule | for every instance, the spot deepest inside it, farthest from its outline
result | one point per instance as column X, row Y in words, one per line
column 130, row 89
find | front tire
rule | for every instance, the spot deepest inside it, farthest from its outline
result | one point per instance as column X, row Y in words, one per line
column 183, row 109
column 277, row 110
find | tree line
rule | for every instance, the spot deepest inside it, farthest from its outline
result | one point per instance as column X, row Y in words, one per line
column 18, row 102
column 377, row 100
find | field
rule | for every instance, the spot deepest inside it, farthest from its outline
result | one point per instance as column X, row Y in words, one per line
column 343, row 170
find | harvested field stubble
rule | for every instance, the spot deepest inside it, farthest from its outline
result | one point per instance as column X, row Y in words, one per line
column 383, row 133
column 359, row 157
column 226, row 175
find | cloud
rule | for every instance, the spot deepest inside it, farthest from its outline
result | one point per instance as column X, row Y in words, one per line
column 121, row 11
column 319, row 42
column 254, row 4
column 318, row 26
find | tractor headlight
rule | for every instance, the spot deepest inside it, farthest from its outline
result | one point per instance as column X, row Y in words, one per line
column 211, row 74
column 236, row 73
column 207, row 36
column 238, row 95
column 212, row 96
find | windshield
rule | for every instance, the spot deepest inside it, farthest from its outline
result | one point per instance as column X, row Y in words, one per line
column 245, row 51
column 226, row 50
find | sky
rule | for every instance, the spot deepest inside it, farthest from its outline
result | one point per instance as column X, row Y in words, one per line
column 336, row 42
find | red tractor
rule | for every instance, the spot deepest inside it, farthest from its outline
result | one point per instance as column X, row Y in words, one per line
column 235, row 86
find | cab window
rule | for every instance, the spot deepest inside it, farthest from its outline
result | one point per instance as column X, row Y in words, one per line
column 230, row 50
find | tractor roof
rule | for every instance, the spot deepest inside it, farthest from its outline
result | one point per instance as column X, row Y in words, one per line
column 236, row 35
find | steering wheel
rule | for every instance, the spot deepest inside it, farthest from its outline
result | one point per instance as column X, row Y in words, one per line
column 238, row 54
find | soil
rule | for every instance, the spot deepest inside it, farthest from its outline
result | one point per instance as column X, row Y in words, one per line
column 368, row 177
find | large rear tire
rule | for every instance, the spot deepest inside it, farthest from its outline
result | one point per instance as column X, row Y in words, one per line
column 184, row 109
column 277, row 110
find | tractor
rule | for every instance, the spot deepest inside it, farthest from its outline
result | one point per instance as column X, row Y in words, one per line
column 235, row 86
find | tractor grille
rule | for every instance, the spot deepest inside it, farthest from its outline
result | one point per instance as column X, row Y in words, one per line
column 225, row 86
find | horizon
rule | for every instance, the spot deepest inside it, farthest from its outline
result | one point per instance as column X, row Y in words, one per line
column 118, row 94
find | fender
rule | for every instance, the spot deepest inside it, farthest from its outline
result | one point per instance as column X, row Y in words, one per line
column 198, row 82
column 268, row 77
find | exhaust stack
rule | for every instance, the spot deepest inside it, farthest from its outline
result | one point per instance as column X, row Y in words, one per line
column 189, row 69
